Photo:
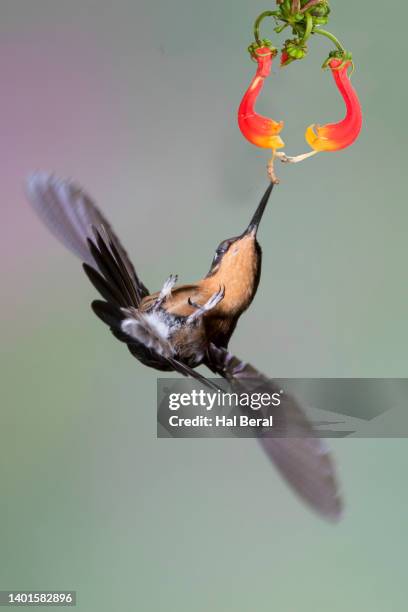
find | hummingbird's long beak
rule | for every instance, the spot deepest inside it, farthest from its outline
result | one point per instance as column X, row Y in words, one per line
column 256, row 219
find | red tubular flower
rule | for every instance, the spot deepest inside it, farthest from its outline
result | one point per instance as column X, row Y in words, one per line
column 336, row 136
column 260, row 131
column 285, row 59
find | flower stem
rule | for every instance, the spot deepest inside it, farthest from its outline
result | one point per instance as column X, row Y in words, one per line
column 257, row 23
column 331, row 37
column 309, row 27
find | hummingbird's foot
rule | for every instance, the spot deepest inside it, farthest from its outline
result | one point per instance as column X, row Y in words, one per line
column 209, row 305
column 166, row 290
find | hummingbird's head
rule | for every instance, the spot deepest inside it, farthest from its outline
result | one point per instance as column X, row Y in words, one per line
column 237, row 264
column 235, row 254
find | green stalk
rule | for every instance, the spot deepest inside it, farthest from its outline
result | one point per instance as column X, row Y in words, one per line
column 309, row 27
column 258, row 23
column 331, row 37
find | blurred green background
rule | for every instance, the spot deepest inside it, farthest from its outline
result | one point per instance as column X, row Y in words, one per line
column 137, row 100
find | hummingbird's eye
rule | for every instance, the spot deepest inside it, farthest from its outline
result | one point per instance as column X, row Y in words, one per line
column 223, row 248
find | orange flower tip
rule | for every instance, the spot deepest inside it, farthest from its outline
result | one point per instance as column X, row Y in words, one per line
column 277, row 143
column 316, row 141
column 266, row 141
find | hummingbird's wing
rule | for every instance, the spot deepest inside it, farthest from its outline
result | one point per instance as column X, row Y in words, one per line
column 300, row 456
column 113, row 283
column 69, row 213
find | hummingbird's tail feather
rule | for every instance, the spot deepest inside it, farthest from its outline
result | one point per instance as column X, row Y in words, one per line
column 114, row 316
column 69, row 213
column 300, row 456
column 130, row 326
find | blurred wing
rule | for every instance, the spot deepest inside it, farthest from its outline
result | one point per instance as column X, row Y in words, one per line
column 69, row 214
column 303, row 461
column 73, row 218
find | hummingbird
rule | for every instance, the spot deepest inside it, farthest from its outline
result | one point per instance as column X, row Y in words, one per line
column 183, row 326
